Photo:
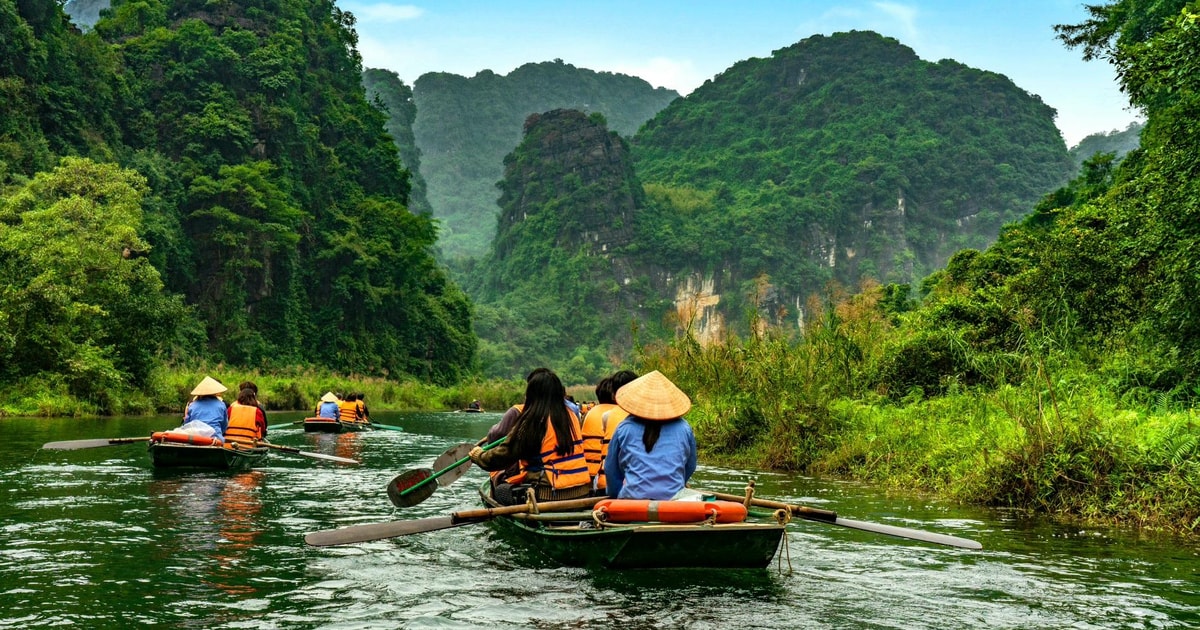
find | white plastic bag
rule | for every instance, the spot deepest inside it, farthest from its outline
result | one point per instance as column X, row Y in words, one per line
column 195, row 427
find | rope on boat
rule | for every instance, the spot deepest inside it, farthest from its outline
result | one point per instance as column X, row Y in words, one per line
column 783, row 517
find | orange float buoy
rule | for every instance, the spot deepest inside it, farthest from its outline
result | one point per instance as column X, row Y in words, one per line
column 635, row 510
column 178, row 437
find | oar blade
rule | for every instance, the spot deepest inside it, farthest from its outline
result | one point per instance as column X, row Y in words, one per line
column 411, row 487
column 328, row 458
column 449, row 458
column 379, row 531
column 386, row 427
column 911, row 534
column 74, row 445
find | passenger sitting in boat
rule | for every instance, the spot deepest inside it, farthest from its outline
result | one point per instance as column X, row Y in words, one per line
column 348, row 409
column 327, row 407
column 652, row 453
column 475, row 405
column 363, row 414
column 247, row 421
column 207, row 407
column 599, row 425
column 545, row 443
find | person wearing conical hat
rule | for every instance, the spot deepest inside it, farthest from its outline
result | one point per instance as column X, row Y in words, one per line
column 652, row 453
column 328, row 406
column 207, row 406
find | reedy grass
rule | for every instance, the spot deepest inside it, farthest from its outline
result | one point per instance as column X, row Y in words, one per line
column 1047, row 433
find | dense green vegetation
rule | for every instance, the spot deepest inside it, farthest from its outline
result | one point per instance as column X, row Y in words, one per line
column 1056, row 370
column 391, row 95
column 465, row 126
column 842, row 157
column 256, row 184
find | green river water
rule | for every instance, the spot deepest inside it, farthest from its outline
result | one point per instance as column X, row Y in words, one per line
column 97, row 539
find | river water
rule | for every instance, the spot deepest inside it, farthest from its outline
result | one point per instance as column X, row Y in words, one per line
column 97, row 539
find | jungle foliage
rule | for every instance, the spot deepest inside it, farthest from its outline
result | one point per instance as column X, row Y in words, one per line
column 1117, row 142
column 256, row 182
column 465, row 126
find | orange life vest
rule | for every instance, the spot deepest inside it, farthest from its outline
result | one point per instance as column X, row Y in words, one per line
column 562, row 471
column 361, row 408
column 598, row 429
column 243, row 425
column 348, row 410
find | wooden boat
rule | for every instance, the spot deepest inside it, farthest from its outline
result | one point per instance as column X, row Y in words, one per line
column 645, row 545
column 470, row 410
column 169, row 454
column 334, row 425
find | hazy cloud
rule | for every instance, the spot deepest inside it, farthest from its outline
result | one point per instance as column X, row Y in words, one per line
column 385, row 12
column 889, row 18
column 678, row 75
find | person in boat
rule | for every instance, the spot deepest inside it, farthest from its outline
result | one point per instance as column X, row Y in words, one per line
column 652, row 453
column 574, row 407
column 327, row 407
column 348, row 409
column 247, row 421
column 252, row 386
column 207, row 407
column 364, row 415
column 600, row 423
column 545, row 444
column 475, row 406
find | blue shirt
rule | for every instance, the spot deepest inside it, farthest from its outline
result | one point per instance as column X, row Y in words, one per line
column 328, row 409
column 211, row 411
column 632, row 473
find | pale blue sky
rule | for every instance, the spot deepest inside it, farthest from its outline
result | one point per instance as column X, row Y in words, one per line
column 679, row 44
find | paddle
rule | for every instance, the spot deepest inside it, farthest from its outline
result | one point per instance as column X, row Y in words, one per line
column 386, row 426
column 285, row 425
column 393, row 529
column 826, row 516
column 296, row 451
column 74, row 445
column 412, row 487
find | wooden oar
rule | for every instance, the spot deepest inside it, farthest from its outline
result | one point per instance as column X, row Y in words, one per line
column 388, row 427
column 286, row 425
column 826, row 516
column 413, row 486
column 74, row 445
column 296, row 451
column 393, row 529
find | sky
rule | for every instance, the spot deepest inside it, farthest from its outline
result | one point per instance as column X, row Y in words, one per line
column 680, row 44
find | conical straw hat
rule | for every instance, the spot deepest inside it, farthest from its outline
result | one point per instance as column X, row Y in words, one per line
column 208, row 387
column 653, row 397
column 329, row 397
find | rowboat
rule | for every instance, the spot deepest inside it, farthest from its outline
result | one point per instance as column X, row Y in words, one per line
column 334, row 425
column 578, row 539
column 165, row 454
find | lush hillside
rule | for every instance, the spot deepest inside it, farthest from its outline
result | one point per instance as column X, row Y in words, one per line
column 389, row 93
column 1116, row 142
column 257, row 183
column 839, row 157
column 554, row 290
column 465, row 127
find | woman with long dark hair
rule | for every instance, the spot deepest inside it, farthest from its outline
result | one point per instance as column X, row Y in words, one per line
column 652, row 453
column 545, row 443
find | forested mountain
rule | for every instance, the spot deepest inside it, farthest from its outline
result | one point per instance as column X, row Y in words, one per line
column 465, row 127
column 267, row 193
column 1116, row 142
column 554, row 290
column 385, row 89
column 839, row 157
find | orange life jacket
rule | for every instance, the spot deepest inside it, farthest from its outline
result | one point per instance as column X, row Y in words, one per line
column 348, row 410
column 243, row 425
column 597, row 431
column 562, row 471
column 361, row 408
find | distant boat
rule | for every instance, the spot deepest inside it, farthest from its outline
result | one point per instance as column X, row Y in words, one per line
column 334, row 425
column 471, row 410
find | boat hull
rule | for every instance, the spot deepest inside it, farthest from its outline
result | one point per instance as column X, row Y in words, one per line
column 749, row 545
column 172, row 455
column 330, row 425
